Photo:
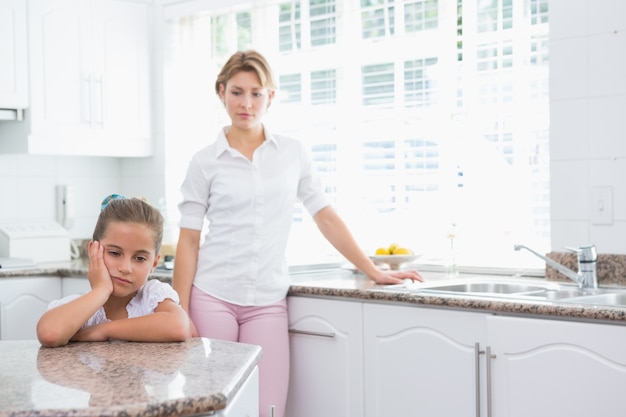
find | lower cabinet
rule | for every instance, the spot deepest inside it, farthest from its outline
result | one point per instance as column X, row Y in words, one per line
column 246, row 401
column 22, row 302
column 437, row 362
column 24, row 299
column 546, row 368
column 420, row 361
column 326, row 358
column 74, row 285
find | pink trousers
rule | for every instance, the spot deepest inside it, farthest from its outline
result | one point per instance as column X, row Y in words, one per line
column 265, row 326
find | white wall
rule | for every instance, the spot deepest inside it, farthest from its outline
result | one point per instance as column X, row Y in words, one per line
column 588, row 120
column 588, row 140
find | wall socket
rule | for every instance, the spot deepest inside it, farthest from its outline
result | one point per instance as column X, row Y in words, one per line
column 602, row 204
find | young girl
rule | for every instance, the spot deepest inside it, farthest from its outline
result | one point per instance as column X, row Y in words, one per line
column 122, row 303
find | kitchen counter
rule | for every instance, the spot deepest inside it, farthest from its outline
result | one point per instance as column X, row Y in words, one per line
column 115, row 378
column 346, row 284
column 359, row 288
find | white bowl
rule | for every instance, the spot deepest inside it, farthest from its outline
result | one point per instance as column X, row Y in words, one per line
column 394, row 261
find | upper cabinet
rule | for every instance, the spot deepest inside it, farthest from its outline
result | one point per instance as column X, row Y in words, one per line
column 13, row 56
column 89, row 79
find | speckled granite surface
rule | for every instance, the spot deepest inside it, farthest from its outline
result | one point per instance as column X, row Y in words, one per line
column 122, row 378
column 611, row 269
column 345, row 284
column 361, row 289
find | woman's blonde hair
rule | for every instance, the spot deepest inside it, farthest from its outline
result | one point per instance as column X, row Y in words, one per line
column 129, row 210
column 249, row 61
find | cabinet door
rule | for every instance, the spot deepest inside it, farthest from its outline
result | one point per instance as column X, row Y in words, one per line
column 74, row 285
column 60, row 67
column 556, row 368
column 120, row 75
column 326, row 358
column 13, row 47
column 22, row 302
column 246, row 401
column 421, row 361
column 89, row 77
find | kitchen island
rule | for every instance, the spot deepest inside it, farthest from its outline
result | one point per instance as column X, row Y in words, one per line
column 197, row 377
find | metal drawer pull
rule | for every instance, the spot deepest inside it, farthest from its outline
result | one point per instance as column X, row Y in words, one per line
column 322, row 334
column 477, row 353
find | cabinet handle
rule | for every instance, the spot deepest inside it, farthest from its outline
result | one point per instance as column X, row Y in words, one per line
column 98, row 101
column 85, row 93
column 307, row 332
column 489, row 358
column 477, row 353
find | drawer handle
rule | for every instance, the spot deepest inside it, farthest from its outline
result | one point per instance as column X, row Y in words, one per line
column 322, row 334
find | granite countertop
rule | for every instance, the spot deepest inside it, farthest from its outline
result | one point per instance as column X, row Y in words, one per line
column 122, row 378
column 359, row 288
column 346, row 284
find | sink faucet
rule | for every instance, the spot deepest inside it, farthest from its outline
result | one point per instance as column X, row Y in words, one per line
column 586, row 277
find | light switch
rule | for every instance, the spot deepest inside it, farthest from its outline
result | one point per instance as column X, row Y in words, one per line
column 601, row 204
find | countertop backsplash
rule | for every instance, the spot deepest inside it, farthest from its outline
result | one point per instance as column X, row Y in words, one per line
column 611, row 268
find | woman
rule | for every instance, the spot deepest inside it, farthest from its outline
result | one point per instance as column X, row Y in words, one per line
column 246, row 183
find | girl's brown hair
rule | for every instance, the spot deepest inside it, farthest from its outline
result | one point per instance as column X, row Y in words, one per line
column 130, row 210
column 250, row 61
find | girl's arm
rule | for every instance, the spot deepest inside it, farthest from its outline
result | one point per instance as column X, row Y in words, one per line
column 57, row 325
column 168, row 323
column 185, row 263
column 337, row 233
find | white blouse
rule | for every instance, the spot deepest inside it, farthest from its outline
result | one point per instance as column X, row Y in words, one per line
column 249, row 208
column 143, row 303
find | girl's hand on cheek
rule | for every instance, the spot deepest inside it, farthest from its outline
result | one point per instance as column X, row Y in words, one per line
column 98, row 273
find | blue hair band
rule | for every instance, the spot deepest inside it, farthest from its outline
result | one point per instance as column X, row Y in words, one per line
column 110, row 198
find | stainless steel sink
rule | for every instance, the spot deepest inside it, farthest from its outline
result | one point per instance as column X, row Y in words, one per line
column 488, row 288
column 518, row 289
column 614, row 298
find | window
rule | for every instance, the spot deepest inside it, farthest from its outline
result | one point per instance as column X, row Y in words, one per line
column 420, row 118
column 289, row 27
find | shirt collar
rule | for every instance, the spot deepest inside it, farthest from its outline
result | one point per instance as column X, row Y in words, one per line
column 222, row 143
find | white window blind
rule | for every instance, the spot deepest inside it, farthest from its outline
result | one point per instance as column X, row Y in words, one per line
column 421, row 116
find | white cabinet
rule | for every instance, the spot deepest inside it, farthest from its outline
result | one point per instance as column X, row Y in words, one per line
column 74, row 285
column 246, row 402
column 22, row 302
column 549, row 368
column 89, row 80
column 438, row 362
column 421, row 361
column 13, row 55
column 326, row 358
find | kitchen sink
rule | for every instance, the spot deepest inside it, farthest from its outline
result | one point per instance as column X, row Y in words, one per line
column 613, row 298
column 488, row 288
column 519, row 288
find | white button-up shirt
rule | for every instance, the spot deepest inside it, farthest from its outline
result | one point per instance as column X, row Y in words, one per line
column 249, row 207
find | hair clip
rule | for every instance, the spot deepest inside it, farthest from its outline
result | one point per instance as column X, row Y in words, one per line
column 110, row 198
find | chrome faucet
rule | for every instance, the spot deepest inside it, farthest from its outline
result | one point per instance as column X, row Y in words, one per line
column 586, row 277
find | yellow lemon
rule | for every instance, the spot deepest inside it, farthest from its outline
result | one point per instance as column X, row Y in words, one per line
column 402, row 251
column 382, row 251
column 392, row 248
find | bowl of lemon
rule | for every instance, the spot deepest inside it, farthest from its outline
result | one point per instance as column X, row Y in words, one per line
column 394, row 256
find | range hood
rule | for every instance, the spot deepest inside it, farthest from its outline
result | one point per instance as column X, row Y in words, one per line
column 11, row 114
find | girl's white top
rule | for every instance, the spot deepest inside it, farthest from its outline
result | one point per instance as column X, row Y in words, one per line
column 142, row 304
column 249, row 206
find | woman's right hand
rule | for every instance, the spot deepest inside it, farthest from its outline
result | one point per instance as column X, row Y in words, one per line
column 98, row 274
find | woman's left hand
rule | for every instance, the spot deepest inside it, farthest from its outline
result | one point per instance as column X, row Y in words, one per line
column 396, row 277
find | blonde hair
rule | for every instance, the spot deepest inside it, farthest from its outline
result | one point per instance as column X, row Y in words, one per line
column 249, row 61
column 130, row 210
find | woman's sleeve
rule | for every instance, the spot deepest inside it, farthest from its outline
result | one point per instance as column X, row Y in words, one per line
column 195, row 193
column 310, row 187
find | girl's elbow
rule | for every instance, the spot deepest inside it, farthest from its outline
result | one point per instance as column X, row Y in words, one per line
column 50, row 338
